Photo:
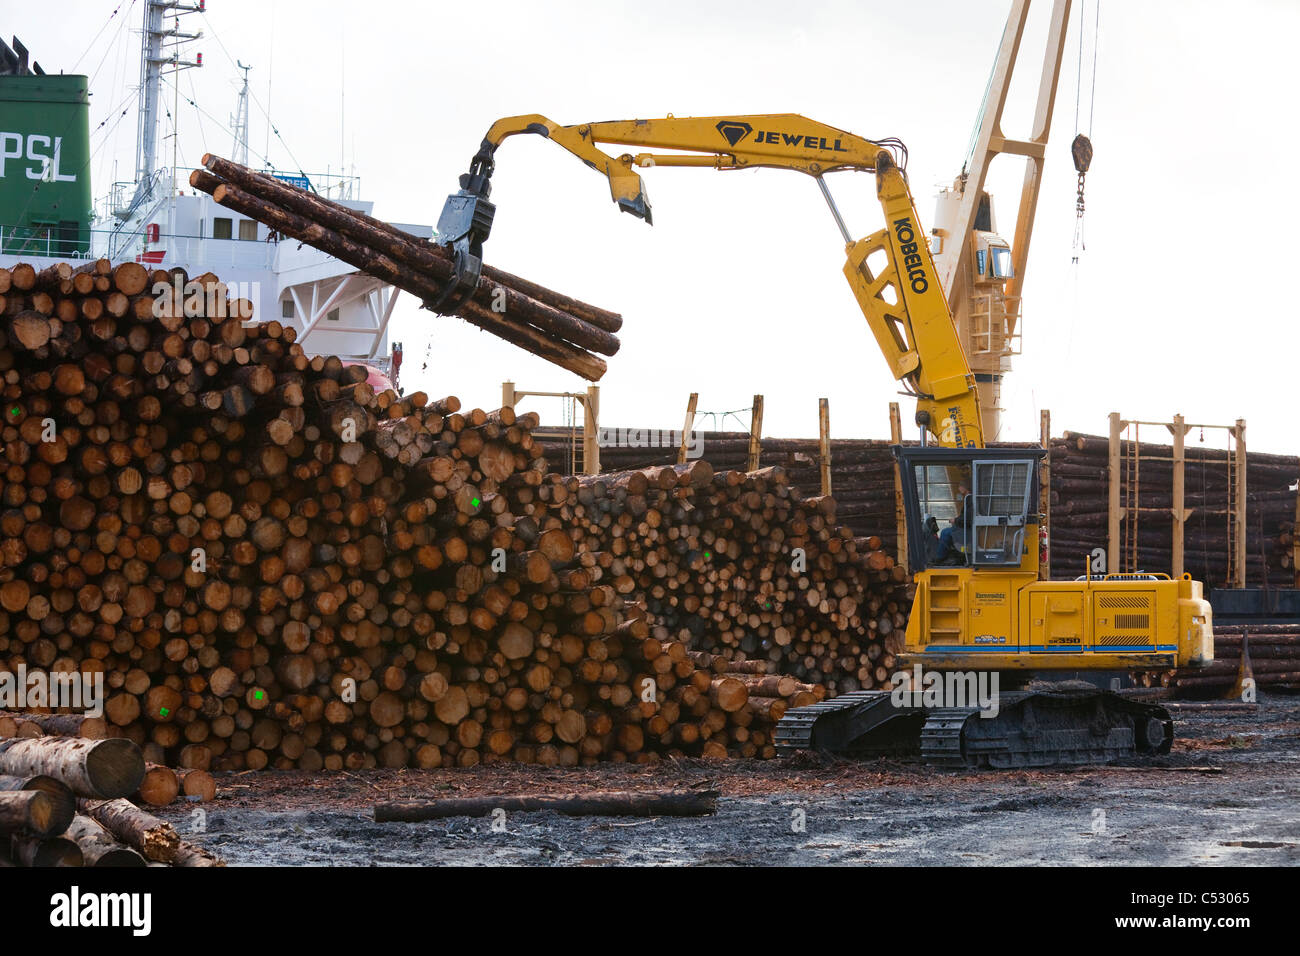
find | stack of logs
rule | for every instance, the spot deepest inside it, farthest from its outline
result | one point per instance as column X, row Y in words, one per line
column 62, row 804
column 272, row 565
column 555, row 327
column 740, row 565
column 160, row 786
column 1079, row 517
column 862, row 470
column 1272, row 650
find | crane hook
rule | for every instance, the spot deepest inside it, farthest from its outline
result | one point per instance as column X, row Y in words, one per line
column 1081, row 150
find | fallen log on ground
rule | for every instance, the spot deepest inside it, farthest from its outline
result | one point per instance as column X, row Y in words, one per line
column 98, row 847
column 31, row 812
column 154, row 838
column 42, row 852
column 64, row 799
column 197, row 784
column 65, row 725
column 159, row 787
column 188, row 854
column 102, row 769
column 607, row 803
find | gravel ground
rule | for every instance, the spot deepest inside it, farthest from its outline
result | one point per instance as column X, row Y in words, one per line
column 1228, row 794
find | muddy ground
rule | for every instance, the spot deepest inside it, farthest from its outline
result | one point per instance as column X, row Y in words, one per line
column 1228, row 794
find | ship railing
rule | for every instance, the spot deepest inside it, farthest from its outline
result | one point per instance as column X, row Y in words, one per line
column 18, row 240
column 202, row 254
column 198, row 253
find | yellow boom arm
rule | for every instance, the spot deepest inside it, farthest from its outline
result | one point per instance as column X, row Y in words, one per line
column 903, row 302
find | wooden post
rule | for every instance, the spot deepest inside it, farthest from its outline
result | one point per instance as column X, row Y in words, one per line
column 1112, row 523
column 1239, row 532
column 1180, row 514
column 686, row 428
column 591, row 431
column 755, row 434
column 900, row 516
column 824, row 427
column 1045, row 496
column 508, row 395
column 1295, row 539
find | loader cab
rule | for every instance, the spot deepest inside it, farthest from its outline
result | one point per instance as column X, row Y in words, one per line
column 970, row 507
column 992, row 259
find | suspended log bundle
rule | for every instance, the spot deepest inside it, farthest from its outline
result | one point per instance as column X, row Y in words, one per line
column 560, row 329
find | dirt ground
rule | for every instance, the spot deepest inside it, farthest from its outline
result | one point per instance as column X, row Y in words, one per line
column 1228, row 794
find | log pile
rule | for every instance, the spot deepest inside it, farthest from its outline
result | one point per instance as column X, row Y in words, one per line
column 740, row 565
column 158, row 786
column 1080, row 489
column 560, row 329
column 1273, row 658
column 862, row 470
column 862, row 481
column 61, row 804
column 271, row 565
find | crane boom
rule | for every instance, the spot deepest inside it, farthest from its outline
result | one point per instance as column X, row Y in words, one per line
column 903, row 302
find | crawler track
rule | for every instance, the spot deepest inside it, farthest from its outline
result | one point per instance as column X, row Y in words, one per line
column 1056, row 725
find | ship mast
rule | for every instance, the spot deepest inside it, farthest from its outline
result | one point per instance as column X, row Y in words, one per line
column 239, row 122
column 152, row 61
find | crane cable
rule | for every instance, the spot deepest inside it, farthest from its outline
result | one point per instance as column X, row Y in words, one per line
column 1081, row 148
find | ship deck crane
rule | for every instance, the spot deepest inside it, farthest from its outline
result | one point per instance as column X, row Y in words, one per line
column 981, row 273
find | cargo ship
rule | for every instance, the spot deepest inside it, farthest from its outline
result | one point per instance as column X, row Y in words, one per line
column 49, row 213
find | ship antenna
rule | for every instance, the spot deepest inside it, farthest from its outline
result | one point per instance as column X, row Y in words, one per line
column 239, row 121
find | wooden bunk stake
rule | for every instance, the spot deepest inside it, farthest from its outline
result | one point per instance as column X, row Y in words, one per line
column 687, row 427
column 755, row 434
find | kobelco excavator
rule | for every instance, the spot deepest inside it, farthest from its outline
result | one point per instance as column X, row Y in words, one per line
column 980, row 609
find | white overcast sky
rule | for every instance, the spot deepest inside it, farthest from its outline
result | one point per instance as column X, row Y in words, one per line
column 1181, row 302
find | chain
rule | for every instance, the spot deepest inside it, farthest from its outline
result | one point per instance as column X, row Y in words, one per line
column 1081, row 150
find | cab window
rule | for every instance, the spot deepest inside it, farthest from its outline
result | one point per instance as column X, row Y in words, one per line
column 1002, row 496
column 943, row 493
column 1001, row 257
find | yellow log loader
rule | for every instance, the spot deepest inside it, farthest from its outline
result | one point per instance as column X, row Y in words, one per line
column 982, row 617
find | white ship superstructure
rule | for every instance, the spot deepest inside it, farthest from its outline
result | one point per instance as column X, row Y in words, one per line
column 157, row 219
